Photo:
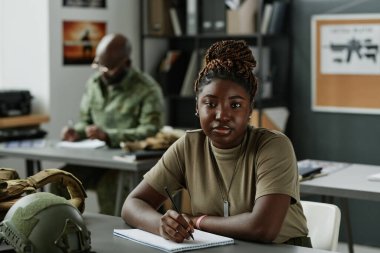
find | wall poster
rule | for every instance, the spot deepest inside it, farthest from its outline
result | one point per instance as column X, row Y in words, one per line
column 346, row 63
column 80, row 39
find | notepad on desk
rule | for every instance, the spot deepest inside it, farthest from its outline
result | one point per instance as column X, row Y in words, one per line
column 86, row 144
column 139, row 155
column 201, row 240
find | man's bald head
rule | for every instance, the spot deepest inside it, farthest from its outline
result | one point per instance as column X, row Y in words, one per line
column 112, row 49
column 113, row 58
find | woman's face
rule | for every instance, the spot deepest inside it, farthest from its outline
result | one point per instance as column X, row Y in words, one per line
column 224, row 110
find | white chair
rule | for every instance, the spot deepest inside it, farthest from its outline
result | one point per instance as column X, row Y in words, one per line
column 323, row 221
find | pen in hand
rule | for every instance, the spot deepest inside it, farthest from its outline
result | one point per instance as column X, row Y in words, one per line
column 175, row 207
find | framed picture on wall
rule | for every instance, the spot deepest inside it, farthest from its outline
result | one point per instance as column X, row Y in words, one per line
column 346, row 63
column 80, row 39
column 85, row 3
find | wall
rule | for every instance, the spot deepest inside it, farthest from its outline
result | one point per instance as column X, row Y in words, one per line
column 68, row 82
column 24, row 61
column 332, row 136
column 31, row 54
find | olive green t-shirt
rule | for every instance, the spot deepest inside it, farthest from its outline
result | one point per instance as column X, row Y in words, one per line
column 263, row 164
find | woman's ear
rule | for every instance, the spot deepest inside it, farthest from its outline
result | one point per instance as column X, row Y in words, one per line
column 196, row 111
column 250, row 115
column 196, row 107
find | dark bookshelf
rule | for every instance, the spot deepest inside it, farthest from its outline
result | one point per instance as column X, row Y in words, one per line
column 181, row 109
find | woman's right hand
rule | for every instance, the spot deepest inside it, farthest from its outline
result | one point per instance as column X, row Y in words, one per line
column 174, row 227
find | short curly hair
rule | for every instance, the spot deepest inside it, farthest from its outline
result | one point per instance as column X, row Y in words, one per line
column 229, row 60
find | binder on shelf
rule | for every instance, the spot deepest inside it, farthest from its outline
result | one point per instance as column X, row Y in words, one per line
column 278, row 17
column 207, row 16
column 219, row 10
column 243, row 19
column 192, row 17
column 158, row 17
column 213, row 16
column 267, row 14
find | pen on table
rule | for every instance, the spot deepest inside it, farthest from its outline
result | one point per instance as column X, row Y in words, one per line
column 175, row 207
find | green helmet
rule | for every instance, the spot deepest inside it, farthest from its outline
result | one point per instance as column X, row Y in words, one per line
column 44, row 222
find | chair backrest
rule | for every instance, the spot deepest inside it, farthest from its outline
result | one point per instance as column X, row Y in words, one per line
column 323, row 221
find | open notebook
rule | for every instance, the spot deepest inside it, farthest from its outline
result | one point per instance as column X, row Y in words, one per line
column 201, row 240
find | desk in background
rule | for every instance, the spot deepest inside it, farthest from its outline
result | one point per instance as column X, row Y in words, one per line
column 22, row 127
column 103, row 240
column 96, row 158
column 349, row 182
column 22, row 121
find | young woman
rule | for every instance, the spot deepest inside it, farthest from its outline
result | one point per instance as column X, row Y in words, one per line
column 242, row 180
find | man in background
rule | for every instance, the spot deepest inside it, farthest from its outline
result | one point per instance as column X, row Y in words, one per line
column 120, row 104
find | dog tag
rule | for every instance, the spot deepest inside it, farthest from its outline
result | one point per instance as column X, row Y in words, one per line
column 226, row 206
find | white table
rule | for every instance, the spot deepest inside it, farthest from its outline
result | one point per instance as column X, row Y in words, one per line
column 97, row 158
column 350, row 182
column 102, row 240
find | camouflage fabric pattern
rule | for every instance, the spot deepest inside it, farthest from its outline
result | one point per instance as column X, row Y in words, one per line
column 130, row 111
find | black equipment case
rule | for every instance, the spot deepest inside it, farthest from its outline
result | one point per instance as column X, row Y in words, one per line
column 15, row 102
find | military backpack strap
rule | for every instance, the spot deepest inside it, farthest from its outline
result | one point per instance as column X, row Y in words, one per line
column 73, row 184
column 8, row 173
column 12, row 190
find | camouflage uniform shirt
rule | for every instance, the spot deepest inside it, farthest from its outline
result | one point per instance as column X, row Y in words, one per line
column 130, row 110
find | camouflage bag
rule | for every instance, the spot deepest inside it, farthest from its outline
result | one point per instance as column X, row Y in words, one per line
column 12, row 188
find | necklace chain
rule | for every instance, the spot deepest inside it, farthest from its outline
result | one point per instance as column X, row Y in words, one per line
column 223, row 191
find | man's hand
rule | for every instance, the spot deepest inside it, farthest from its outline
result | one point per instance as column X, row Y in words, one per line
column 69, row 134
column 94, row 132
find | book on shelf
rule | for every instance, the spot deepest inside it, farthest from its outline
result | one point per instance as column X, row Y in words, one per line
column 201, row 240
column 175, row 22
column 242, row 19
column 191, row 75
column 278, row 17
column 139, row 155
column 265, row 20
column 274, row 118
column 180, row 7
column 158, row 17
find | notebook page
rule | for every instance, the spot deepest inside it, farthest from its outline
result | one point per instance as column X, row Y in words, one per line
column 201, row 240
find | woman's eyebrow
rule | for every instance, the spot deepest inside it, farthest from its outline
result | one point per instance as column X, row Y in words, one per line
column 236, row 97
